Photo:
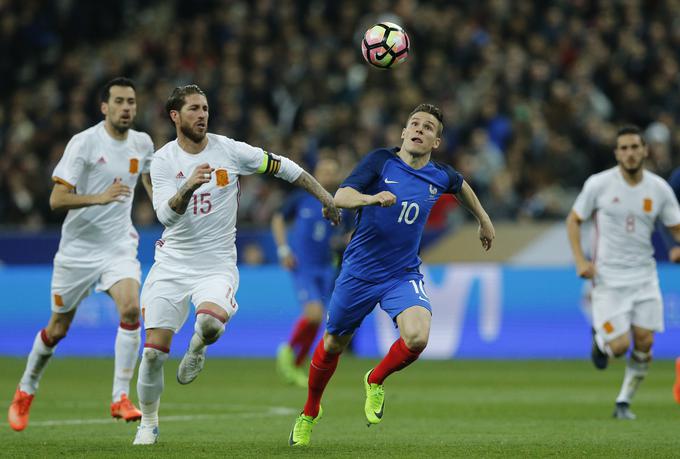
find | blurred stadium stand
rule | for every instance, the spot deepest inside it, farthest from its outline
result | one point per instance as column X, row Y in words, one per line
column 532, row 91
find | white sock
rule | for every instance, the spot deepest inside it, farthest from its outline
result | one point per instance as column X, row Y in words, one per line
column 150, row 384
column 196, row 344
column 35, row 365
column 126, row 351
column 636, row 370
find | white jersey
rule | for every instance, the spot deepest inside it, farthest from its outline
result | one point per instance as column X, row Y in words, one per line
column 624, row 218
column 203, row 239
column 91, row 162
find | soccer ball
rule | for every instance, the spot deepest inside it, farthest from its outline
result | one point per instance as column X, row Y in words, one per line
column 385, row 45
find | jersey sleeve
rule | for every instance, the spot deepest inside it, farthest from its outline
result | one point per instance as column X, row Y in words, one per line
column 148, row 154
column 670, row 210
column 455, row 180
column 585, row 201
column 249, row 158
column 72, row 164
column 164, row 187
column 367, row 171
column 162, row 180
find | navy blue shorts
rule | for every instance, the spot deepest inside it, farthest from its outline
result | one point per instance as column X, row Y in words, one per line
column 353, row 299
column 314, row 284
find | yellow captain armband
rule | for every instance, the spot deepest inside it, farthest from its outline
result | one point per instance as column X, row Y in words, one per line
column 271, row 164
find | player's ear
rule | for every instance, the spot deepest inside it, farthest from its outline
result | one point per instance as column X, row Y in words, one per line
column 104, row 107
column 403, row 133
column 436, row 143
column 173, row 115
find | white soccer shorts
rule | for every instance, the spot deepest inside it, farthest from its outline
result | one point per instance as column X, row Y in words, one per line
column 615, row 309
column 166, row 295
column 72, row 283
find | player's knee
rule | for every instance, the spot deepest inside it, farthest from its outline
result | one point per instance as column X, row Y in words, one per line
column 57, row 331
column 644, row 342
column 129, row 313
column 333, row 345
column 209, row 328
column 619, row 347
column 416, row 342
column 313, row 312
column 154, row 356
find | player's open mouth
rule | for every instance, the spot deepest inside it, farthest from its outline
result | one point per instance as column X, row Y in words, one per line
column 416, row 140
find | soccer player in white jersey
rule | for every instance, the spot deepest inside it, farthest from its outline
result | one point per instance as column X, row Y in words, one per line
column 94, row 182
column 624, row 201
column 195, row 183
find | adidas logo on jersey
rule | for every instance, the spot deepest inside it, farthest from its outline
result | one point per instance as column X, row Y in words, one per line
column 101, row 160
column 180, row 176
column 615, row 200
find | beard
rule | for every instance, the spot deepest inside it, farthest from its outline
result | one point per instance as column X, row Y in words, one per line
column 191, row 134
column 632, row 169
column 120, row 128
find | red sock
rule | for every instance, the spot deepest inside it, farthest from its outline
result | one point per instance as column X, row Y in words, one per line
column 397, row 358
column 303, row 338
column 320, row 371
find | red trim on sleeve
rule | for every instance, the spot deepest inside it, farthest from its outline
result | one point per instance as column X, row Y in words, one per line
column 61, row 181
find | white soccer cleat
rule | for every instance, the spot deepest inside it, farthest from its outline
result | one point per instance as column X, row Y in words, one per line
column 146, row 435
column 190, row 366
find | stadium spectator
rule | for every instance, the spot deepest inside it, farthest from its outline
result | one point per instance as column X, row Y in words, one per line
column 289, row 74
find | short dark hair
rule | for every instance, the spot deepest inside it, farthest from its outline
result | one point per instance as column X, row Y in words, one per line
column 432, row 110
column 118, row 81
column 629, row 129
column 179, row 97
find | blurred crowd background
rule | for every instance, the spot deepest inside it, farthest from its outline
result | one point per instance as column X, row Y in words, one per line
column 532, row 91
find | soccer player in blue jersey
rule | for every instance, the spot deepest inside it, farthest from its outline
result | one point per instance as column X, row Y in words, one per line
column 306, row 250
column 394, row 190
column 674, row 256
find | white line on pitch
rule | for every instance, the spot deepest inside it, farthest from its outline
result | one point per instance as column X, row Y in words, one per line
column 273, row 411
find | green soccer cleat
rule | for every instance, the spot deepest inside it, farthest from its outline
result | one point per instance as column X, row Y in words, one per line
column 285, row 365
column 375, row 401
column 301, row 434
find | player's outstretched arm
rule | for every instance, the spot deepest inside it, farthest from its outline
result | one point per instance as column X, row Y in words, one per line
column 584, row 267
column 469, row 199
column 309, row 183
column 65, row 198
column 349, row 198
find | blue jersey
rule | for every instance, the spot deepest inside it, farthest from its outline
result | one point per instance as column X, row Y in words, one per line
column 310, row 235
column 666, row 236
column 674, row 182
column 387, row 239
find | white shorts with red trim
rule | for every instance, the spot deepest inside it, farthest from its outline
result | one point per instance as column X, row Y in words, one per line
column 73, row 282
column 615, row 309
column 167, row 294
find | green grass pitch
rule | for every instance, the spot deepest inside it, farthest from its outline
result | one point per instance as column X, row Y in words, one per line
column 238, row 408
